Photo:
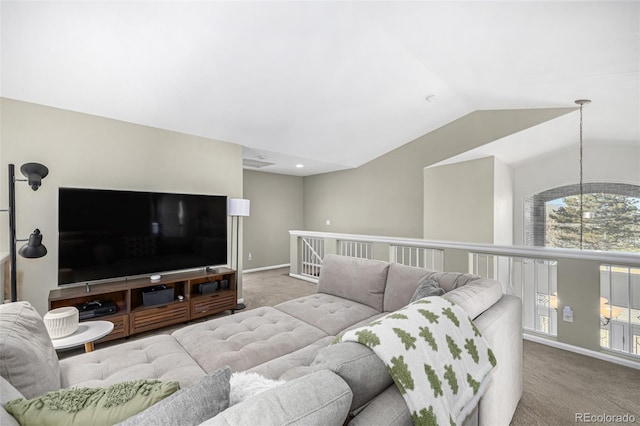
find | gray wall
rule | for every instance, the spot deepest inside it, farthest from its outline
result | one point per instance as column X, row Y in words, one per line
column 470, row 201
column 86, row 151
column 276, row 207
column 385, row 196
column 464, row 210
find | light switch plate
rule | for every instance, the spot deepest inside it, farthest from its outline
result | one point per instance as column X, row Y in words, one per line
column 567, row 314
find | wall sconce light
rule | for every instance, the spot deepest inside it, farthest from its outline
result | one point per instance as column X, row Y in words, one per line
column 34, row 172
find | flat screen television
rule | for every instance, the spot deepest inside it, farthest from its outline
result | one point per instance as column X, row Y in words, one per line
column 110, row 234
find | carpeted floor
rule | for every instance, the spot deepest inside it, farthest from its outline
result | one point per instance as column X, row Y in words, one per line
column 558, row 385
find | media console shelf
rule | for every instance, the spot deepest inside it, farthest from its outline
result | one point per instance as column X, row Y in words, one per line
column 132, row 316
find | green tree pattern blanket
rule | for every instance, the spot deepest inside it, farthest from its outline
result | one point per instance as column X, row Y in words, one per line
column 436, row 356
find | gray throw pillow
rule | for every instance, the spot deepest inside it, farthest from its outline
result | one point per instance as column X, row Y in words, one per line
column 27, row 358
column 191, row 405
column 428, row 287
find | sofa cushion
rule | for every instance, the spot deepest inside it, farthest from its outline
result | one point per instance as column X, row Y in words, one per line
column 246, row 339
column 321, row 398
column 387, row 408
column 452, row 280
column 189, row 406
column 476, row 296
column 428, row 287
column 360, row 280
column 27, row 358
column 91, row 406
column 359, row 366
column 155, row 357
column 329, row 313
column 280, row 368
column 402, row 282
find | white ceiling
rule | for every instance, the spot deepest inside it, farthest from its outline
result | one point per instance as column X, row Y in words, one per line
column 330, row 85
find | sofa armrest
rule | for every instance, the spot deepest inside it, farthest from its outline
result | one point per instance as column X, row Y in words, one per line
column 321, row 398
column 476, row 296
column 502, row 327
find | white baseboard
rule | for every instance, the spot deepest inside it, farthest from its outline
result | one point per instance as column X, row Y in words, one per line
column 304, row 278
column 582, row 351
column 266, row 268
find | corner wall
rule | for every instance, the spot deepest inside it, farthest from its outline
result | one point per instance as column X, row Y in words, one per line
column 86, row 151
column 276, row 208
column 469, row 201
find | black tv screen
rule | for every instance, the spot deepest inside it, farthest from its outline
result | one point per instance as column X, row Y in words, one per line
column 109, row 234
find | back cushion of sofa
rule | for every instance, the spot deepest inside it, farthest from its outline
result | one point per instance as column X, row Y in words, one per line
column 360, row 280
column 452, row 280
column 27, row 358
column 402, row 282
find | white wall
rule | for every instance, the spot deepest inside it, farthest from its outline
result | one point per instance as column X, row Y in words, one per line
column 610, row 163
column 92, row 152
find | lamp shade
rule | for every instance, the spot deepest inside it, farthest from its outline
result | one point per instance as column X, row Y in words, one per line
column 34, row 248
column 238, row 207
column 34, row 172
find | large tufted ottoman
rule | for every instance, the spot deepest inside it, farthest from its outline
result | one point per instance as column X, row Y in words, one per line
column 155, row 357
column 252, row 338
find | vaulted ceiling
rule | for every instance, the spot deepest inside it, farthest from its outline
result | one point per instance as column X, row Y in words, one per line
column 331, row 85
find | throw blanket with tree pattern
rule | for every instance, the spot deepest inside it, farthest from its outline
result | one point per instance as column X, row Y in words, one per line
column 436, row 356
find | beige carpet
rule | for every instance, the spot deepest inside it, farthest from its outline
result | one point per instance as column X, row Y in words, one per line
column 557, row 384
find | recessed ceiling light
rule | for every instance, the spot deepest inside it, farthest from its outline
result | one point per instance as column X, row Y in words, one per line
column 299, row 166
column 430, row 97
column 262, row 157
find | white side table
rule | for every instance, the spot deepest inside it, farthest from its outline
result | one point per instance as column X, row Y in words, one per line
column 87, row 333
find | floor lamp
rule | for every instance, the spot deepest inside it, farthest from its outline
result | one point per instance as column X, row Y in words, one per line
column 34, row 173
column 236, row 208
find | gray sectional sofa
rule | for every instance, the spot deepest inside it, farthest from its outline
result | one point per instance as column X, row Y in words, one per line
column 325, row 384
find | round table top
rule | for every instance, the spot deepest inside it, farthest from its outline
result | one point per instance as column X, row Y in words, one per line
column 88, row 331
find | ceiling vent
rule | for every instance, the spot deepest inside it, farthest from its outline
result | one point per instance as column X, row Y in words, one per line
column 255, row 164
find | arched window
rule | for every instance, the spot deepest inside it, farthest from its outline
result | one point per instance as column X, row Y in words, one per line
column 611, row 217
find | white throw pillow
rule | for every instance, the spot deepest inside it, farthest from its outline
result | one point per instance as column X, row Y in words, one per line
column 245, row 385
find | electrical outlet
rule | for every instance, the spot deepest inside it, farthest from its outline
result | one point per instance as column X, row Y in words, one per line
column 249, row 256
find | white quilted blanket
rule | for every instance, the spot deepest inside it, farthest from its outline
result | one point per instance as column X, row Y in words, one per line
column 436, row 356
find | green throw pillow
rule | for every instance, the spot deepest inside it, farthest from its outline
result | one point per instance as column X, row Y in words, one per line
column 91, row 406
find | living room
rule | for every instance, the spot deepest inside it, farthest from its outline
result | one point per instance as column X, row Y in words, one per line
column 477, row 154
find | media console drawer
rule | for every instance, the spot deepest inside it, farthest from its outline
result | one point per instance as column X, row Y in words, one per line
column 152, row 318
column 211, row 304
column 120, row 327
